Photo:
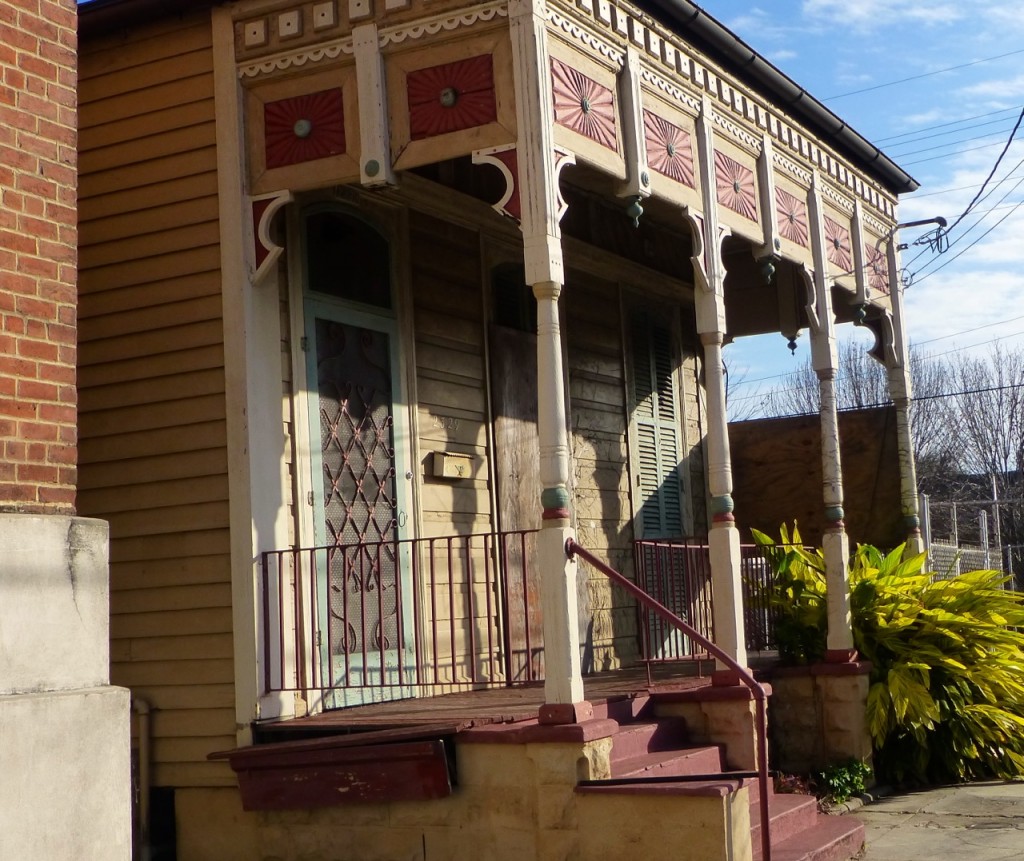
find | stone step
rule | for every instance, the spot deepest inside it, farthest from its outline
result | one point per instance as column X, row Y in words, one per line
column 789, row 815
column 831, row 838
column 642, row 737
column 705, row 759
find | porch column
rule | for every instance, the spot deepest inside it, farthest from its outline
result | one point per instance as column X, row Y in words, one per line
column 542, row 251
column 709, row 300
column 897, row 363
column 835, row 541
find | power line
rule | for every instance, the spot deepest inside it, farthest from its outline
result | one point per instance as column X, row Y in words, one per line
column 950, row 123
column 995, row 167
column 976, row 241
column 985, row 136
column 911, row 141
column 922, row 75
column 949, row 154
column 968, row 331
column 951, row 190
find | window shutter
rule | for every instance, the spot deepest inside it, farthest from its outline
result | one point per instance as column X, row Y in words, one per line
column 656, row 428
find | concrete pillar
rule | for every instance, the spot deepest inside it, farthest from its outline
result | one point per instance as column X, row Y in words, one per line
column 65, row 756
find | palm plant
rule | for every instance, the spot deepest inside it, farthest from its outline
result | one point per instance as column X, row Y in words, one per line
column 946, row 700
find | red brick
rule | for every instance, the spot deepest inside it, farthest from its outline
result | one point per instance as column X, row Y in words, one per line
column 39, row 309
column 58, row 413
column 56, row 373
column 62, row 454
column 16, row 409
column 38, row 350
column 17, row 493
column 62, row 496
column 36, row 430
column 38, row 473
column 36, row 391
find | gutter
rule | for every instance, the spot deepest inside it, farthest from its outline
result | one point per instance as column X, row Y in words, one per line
column 696, row 26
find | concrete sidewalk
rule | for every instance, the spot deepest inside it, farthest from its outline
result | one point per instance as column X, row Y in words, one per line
column 976, row 821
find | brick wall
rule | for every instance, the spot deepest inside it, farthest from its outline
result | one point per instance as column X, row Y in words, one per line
column 38, row 438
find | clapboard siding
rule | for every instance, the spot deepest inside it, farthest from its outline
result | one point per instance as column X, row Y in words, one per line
column 601, row 488
column 450, row 370
column 153, row 459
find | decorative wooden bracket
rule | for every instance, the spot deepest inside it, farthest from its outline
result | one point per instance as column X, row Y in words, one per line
column 265, row 251
column 374, row 134
column 708, row 271
column 772, row 246
column 506, row 160
column 638, row 185
column 563, row 158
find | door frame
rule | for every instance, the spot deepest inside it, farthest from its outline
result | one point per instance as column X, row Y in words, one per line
column 302, row 306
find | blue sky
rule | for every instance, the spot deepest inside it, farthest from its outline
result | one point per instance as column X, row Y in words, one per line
column 946, row 128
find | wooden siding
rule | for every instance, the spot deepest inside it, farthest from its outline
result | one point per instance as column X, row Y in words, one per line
column 151, row 383
column 451, row 385
column 600, row 473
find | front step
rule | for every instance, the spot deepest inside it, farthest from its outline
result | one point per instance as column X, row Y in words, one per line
column 648, row 753
column 831, row 838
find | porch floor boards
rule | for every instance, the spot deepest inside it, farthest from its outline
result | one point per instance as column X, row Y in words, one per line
column 466, row 709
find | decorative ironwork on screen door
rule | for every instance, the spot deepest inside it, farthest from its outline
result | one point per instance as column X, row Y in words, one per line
column 360, row 506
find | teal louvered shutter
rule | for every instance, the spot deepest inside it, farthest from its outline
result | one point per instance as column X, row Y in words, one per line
column 656, row 428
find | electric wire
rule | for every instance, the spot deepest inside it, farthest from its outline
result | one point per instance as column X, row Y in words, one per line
column 922, row 75
column 950, row 123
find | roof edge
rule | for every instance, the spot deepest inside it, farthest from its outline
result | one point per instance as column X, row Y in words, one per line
column 104, row 16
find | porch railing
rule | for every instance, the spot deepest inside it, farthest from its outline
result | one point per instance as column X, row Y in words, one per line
column 757, row 692
column 677, row 574
column 402, row 618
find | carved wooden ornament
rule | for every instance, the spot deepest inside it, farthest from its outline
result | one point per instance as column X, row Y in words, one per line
column 451, row 97
column 735, row 185
column 838, row 247
column 304, row 128
column 669, row 149
column 877, row 268
column 792, row 217
column 582, row 104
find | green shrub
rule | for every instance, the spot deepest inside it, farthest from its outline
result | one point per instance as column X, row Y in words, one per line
column 946, row 700
column 841, row 782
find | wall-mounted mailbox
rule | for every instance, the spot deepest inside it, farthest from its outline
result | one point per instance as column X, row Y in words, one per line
column 449, row 464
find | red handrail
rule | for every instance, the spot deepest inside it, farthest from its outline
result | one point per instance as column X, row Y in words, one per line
column 756, row 690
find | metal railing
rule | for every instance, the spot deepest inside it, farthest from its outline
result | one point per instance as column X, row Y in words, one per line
column 757, row 692
column 677, row 574
column 407, row 618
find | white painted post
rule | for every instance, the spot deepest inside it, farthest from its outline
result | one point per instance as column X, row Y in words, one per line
column 835, row 541
column 542, row 251
column 723, row 536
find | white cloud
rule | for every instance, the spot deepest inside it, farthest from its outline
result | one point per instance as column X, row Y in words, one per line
column 873, row 15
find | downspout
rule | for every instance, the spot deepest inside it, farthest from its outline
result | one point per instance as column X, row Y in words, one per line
column 141, row 709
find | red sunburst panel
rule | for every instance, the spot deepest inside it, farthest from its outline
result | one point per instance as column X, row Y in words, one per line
column 792, row 216
column 837, row 245
column 735, row 182
column 669, row 149
column 304, row 128
column 877, row 268
column 451, row 97
column 582, row 104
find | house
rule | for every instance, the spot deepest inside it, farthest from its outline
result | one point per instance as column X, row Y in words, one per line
column 386, row 305
column 64, row 737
